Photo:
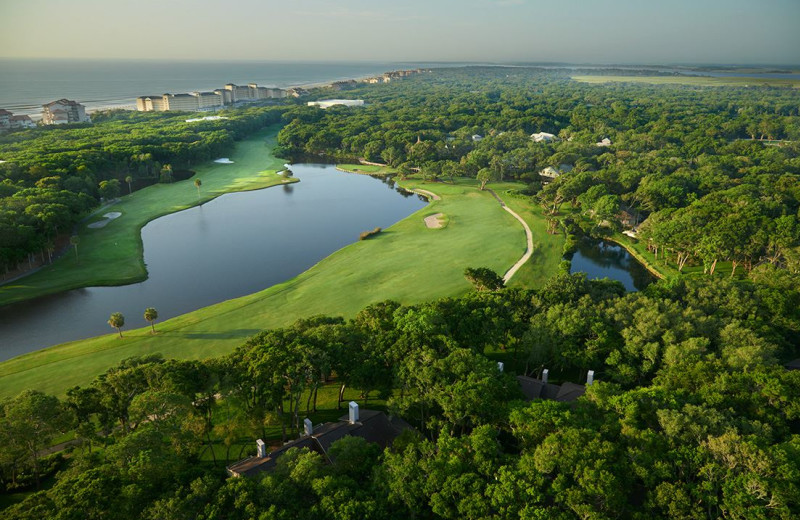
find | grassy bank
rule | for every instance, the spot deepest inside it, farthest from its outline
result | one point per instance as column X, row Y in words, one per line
column 112, row 255
column 665, row 267
column 700, row 81
column 368, row 169
column 547, row 248
column 407, row 262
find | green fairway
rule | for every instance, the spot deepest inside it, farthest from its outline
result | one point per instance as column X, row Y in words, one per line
column 407, row 262
column 112, row 255
column 700, row 81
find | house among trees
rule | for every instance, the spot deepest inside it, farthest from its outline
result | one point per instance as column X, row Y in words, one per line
column 604, row 142
column 540, row 389
column 551, row 172
column 543, row 137
column 371, row 425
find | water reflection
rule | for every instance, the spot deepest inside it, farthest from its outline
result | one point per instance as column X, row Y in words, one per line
column 601, row 259
column 231, row 246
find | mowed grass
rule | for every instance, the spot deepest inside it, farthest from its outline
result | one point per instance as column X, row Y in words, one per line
column 547, row 248
column 368, row 169
column 666, row 267
column 112, row 255
column 407, row 262
column 699, row 81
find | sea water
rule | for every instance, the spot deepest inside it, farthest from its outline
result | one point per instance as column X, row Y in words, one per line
column 25, row 85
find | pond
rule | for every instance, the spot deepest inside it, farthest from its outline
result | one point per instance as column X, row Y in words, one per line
column 601, row 259
column 234, row 245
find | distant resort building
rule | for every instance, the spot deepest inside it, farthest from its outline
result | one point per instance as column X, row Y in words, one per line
column 603, row 143
column 327, row 103
column 64, row 111
column 394, row 74
column 21, row 121
column 8, row 121
column 196, row 101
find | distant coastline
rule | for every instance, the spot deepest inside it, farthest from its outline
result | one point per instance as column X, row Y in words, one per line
column 25, row 85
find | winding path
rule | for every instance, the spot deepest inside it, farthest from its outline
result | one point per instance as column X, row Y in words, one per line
column 529, row 249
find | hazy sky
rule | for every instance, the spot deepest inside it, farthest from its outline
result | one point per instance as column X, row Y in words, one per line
column 598, row 31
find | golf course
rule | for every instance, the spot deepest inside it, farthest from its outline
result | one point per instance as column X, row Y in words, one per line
column 408, row 262
column 112, row 254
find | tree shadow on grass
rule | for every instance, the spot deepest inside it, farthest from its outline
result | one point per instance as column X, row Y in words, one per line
column 227, row 334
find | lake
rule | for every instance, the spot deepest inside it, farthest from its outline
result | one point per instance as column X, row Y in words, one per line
column 601, row 259
column 234, row 245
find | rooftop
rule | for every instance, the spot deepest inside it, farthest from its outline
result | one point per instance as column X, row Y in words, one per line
column 372, row 425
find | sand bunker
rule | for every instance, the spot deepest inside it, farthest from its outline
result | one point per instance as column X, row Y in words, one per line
column 224, row 160
column 108, row 217
column 434, row 221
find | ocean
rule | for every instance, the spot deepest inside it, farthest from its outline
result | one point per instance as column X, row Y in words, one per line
column 25, row 85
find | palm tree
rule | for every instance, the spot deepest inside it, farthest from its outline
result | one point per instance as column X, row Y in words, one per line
column 197, row 184
column 129, row 179
column 151, row 315
column 117, row 320
column 75, row 240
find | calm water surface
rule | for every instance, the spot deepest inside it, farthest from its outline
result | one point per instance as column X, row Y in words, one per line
column 600, row 259
column 231, row 246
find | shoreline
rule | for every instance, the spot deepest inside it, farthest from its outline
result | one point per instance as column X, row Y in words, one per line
column 30, row 292
column 638, row 257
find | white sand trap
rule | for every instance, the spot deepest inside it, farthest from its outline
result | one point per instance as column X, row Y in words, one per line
column 434, row 221
column 224, row 160
column 108, row 217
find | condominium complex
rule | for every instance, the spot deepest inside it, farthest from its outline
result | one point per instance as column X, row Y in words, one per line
column 193, row 101
column 64, row 111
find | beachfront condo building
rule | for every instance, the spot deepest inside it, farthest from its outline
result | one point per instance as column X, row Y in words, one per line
column 193, row 101
column 64, row 111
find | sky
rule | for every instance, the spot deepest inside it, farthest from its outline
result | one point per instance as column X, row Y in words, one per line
column 574, row 31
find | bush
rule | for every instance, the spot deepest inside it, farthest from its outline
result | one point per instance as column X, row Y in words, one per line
column 367, row 234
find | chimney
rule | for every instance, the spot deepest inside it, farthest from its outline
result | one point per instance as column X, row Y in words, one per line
column 308, row 427
column 353, row 412
column 500, row 366
column 590, row 378
column 545, row 373
column 262, row 449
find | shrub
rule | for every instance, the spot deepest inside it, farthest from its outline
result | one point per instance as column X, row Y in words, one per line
column 367, row 234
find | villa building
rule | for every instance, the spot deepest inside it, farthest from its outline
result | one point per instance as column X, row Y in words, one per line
column 64, row 111
column 21, row 121
column 5, row 119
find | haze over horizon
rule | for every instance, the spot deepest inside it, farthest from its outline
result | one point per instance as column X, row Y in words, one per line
column 573, row 31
